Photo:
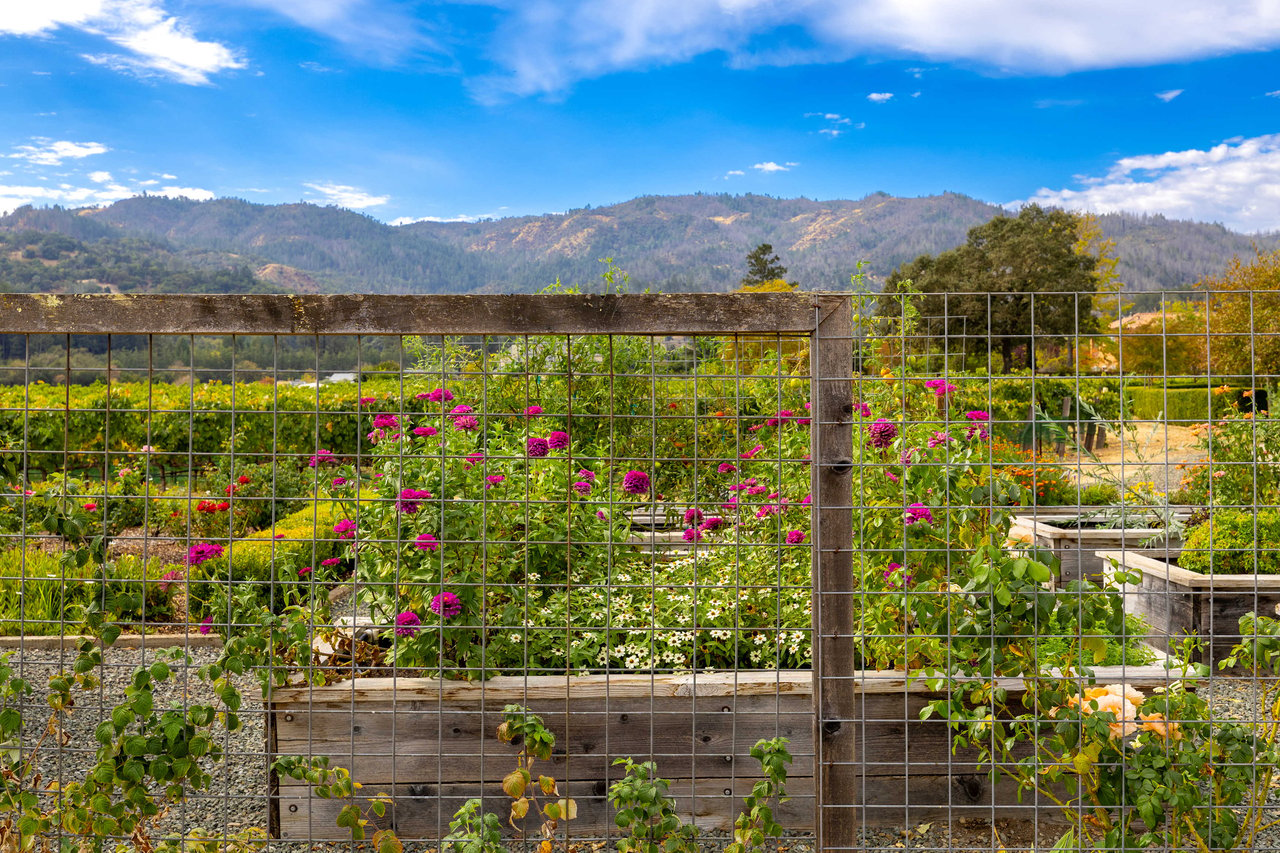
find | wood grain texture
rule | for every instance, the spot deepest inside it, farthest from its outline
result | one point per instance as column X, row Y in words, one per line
column 378, row 314
column 834, row 649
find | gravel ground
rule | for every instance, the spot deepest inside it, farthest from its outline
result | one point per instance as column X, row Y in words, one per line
column 238, row 798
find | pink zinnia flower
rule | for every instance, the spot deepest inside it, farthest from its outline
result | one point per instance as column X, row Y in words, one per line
column 346, row 528
column 202, row 552
column 322, row 456
column 711, row 522
column 91, row 506
column 795, row 537
column 808, row 500
column 407, row 624
column 385, row 421
column 537, row 447
column 461, row 409
column 472, row 460
column 582, row 487
column 863, row 409
column 726, row 468
column 493, row 480
column 426, row 431
column 465, row 423
column 882, row 433
column 589, row 476
column 558, row 440
column 751, row 454
column 332, row 561
column 693, row 534
column 636, row 483
column 918, row 512
column 446, row 605
column 206, row 625
column 365, row 401
column 940, row 387
column 409, row 498
column 440, row 395
column 426, row 542
column 533, row 411
column 303, row 572
column 692, row 515
column 168, row 578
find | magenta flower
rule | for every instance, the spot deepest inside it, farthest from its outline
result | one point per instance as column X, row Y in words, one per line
column 940, row 438
column 440, row 395
column 426, row 542
column 795, row 537
column 461, row 409
column 908, row 456
column 882, row 433
column 537, row 447
column 303, row 572
column 893, row 478
column 465, row 423
column 493, row 480
column 346, row 528
column 533, row 411
column 332, row 561
column 940, row 387
column 751, row 454
column 385, row 421
column 978, row 415
column 558, row 440
column 425, row 431
column 692, row 515
column 712, row 522
column 472, row 460
column 339, row 481
column 979, row 425
column 446, row 605
column 726, row 468
column 600, row 514
column 407, row 624
column 409, row 499
column 918, row 512
column 589, row 476
column 206, row 625
column 421, row 395
column 808, row 500
column 365, row 401
column 202, row 552
column 757, row 490
column 692, row 534
column 322, row 456
column 582, row 487
column 766, row 511
column 636, row 483
column 168, row 578
column 863, row 409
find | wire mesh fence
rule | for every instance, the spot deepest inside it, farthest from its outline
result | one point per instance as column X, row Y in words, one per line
column 937, row 572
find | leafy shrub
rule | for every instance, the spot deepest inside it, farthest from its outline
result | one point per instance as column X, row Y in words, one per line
column 40, row 593
column 1099, row 494
column 1234, row 542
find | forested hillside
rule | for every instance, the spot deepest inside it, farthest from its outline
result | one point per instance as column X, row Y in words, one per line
column 667, row 243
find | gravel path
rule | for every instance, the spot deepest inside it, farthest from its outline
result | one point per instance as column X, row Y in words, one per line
column 238, row 798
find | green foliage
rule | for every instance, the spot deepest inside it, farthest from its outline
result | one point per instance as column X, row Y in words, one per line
column 756, row 821
column 647, row 813
column 1234, row 542
column 41, row 593
column 1180, row 405
column 474, row 831
column 763, row 267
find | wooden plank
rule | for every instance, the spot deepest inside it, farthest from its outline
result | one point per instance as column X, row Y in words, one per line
column 908, row 800
column 834, row 646
column 381, row 314
column 520, row 689
column 407, row 742
column 423, row 811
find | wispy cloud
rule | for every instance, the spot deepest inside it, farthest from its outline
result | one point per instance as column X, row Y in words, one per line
column 1058, row 103
column 879, row 97
column 1232, row 183
column 733, row 173
column 13, row 196
column 48, row 152
column 836, row 124
column 770, row 166
column 373, row 29
column 347, row 196
column 1275, row 94
column 100, row 177
column 1169, row 94
column 155, row 43
column 194, row 193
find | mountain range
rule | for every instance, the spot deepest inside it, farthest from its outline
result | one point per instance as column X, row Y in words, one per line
column 666, row 243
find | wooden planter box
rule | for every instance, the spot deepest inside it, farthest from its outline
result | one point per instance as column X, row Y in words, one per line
column 431, row 745
column 1078, row 548
column 1178, row 603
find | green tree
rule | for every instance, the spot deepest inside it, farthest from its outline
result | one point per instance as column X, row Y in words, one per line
column 1018, row 281
column 1244, row 314
column 763, row 266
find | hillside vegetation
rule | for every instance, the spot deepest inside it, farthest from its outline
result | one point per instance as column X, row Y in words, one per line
column 667, row 243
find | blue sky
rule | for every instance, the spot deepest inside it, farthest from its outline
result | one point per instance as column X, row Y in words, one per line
column 408, row 110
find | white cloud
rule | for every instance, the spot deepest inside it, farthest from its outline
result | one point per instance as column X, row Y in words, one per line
column 409, row 220
column 831, row 131
column 1275, row 94
column 546, row 45
column 48, row 152
column 770, row 166
column 14, row 196
column 379, row 30
column 1236, row 183
column 1169, row 95
column 193, row 193
column 317, row 68
column 879, row 97
column 100, row 177
column 733, row 173
column 345, row 196
column 155, row 42
column 167, row 177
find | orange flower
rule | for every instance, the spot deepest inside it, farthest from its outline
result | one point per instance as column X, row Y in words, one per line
column 1222, row 390
column 1158, row 724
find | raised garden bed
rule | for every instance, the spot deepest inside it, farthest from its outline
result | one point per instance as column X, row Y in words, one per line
column 1177, row 603
column 431, row 745
column 1077, row 544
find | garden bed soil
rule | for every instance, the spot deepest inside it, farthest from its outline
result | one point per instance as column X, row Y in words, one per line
column 1177, row 603
column 431, row 745
column 1078, row 546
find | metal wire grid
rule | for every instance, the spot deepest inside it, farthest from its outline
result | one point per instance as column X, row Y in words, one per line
column 863, row 780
